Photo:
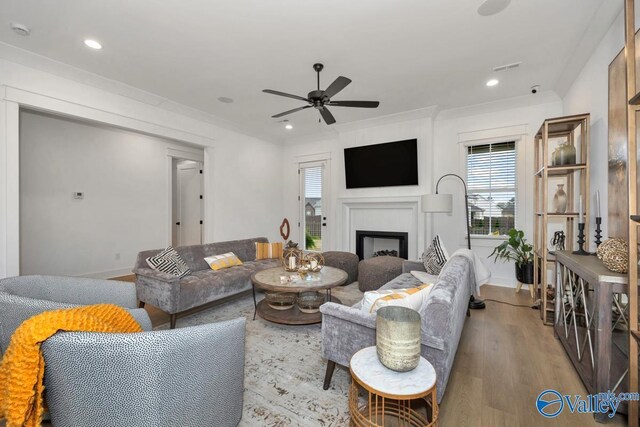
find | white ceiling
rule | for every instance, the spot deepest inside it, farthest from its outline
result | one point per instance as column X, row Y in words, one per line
column 406, row 54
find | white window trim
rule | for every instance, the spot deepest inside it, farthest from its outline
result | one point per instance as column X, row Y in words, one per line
column 468, row 139
column 325, row 163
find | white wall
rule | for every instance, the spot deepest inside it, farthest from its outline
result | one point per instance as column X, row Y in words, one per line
column 589, row 94
column 234, row 179
column 125, row 180
column 364, row 133
column 500, row 121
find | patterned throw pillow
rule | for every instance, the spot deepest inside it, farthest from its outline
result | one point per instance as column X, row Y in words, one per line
column 412, row 298
column 169, row 261
column 435, row 257
column 268, row 250
column 218, row 262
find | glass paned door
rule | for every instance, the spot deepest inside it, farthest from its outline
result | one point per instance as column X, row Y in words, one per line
column 313, row 199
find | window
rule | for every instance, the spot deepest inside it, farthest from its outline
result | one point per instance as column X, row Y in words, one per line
column 491, row 182
column 312, row 184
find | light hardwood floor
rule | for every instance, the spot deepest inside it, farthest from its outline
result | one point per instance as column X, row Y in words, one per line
column 505, row 358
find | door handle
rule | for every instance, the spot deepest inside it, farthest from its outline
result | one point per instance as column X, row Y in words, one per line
column 178, row 223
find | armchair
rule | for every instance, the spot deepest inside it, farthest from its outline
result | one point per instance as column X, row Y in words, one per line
column 22, row 297
column 190, row 376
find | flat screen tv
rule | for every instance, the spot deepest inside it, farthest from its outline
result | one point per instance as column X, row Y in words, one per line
column 382, row 165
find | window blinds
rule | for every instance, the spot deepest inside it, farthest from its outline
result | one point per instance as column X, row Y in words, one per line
column 491, row 182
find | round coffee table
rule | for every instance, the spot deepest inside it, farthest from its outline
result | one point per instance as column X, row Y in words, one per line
column 270, row 280
column 390, row 393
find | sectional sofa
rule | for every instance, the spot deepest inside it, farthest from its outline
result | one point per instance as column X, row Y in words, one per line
column 174, row 295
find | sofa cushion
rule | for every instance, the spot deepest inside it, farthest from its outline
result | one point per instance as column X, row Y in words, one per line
column 169, row 261
column 435, row 257
column 268, row 250
column 218, row 262
column 412, row 298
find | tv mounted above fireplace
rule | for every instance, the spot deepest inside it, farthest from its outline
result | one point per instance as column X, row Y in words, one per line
column 382, row 165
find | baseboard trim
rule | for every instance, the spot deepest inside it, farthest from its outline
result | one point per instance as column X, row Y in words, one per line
column 107, row 274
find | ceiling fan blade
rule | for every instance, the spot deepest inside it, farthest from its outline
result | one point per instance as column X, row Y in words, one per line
column 291, row 111
column 359, row 104
column 288, row 95
column 337, row 85
column 327, row 116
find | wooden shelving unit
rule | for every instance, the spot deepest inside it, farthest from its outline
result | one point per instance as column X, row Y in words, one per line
column 632, row 171
column 573, row 130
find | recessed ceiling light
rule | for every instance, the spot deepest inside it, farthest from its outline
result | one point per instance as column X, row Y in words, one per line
column 20, row 29
column 93, row 44
column 492, row 82
column 225, row 100
column 288, row 126
column 492, row 7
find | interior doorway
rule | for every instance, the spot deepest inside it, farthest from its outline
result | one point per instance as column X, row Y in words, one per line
column 187, row 206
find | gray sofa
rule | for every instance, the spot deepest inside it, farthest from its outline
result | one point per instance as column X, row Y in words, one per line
column 174, row 295
column 345, row 330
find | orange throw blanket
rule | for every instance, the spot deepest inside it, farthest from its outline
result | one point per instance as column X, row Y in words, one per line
column 22, row 367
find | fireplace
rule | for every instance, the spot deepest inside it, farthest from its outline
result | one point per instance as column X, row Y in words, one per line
column 373, row 243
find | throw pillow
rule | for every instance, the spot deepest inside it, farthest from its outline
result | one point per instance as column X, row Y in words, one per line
column 435, row 257
column 268, row 250
column 412, row 298
column 218, row 262
column 169, row 261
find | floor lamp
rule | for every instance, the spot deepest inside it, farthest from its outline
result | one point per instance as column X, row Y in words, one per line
column 443, row 203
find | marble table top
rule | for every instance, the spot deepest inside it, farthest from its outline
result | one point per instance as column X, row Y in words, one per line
column 370, row 372
column 326, row 278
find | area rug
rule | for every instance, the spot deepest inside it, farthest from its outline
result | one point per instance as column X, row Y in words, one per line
column 284, row 370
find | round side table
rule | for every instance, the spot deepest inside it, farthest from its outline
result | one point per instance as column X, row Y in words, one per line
column 388, row 394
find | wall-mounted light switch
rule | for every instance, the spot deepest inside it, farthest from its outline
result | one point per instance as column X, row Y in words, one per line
column 79, row 195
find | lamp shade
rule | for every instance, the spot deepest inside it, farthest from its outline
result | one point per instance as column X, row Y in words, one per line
column 437, row 203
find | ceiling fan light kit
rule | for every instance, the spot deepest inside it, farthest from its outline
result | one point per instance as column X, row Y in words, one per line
column 320, row 99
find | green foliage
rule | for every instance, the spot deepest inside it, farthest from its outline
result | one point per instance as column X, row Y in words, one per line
column 515, row 249
column 311, row 240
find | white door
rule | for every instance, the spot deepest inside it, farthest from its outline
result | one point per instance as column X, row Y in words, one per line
column 189, row 218
column 314, row 206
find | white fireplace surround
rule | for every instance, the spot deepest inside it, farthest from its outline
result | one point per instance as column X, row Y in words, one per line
column 402, row 214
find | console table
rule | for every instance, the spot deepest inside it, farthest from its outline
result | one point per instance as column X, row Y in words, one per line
column 591, row 321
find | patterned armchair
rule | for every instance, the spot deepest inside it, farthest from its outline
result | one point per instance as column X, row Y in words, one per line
column 184, row 377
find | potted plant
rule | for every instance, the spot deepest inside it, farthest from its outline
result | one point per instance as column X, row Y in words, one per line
column 517, row 249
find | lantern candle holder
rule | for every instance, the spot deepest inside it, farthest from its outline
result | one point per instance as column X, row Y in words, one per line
column 314, row 261
column 292, row 259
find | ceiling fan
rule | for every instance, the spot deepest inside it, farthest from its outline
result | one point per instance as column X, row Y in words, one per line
column 320, row 99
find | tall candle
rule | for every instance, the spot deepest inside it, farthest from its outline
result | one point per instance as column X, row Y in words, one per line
column 598, row 204
column 580, row 218
column 292, row 262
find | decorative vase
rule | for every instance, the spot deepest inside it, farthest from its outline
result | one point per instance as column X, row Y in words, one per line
column 567, row 154
column 524, row 273
column 398, row 338
column 560, row 200
column 555, row 157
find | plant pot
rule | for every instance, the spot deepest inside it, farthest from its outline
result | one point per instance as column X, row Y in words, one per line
column 524, row 273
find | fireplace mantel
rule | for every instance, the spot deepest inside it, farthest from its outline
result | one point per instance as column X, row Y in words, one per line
column 399, row 214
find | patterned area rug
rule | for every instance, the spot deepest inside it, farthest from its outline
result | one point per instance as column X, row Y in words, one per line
column 284, row 370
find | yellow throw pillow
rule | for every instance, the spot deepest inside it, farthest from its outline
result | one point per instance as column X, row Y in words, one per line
column 218, row 262
column 268, row 250
column 411, row 298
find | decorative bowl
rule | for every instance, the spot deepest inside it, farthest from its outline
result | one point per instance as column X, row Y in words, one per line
column 310, row 302
column 280, row 300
